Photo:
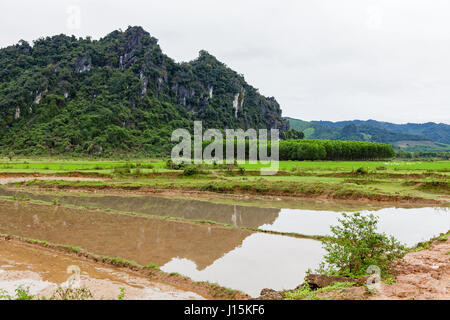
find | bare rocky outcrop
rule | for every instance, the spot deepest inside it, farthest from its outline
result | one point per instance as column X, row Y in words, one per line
column 238, row 102
column 83, row 64
column 270, row 294
column 316, row 281
column 17, row 114
column 38, row 98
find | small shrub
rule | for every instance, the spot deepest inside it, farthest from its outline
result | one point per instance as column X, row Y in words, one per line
column 174, row 166
column 151, row 266
column 355, row 245
column 362, row 170
column 72, row 294
column 121, row 171
column 192, row 170
column 122, row 294
column 21, row 294
column 302, row 293
column 137, row 172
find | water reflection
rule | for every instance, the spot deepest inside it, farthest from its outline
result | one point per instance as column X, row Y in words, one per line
column 135, row 238
column 242, row 216
column 262, row 261
column 236, row 258
column 409, row 225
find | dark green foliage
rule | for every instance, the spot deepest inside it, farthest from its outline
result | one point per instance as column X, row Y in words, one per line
column 334, row 150
column 117, row 95
column 355, row 245
column 174, row 166
column 191, row 170
column 362, row 170
column 299, row 150
column 422, row 155
column 292, row 134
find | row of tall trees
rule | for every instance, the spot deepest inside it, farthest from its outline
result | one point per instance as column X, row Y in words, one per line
column 299, row 150
column 334, row 150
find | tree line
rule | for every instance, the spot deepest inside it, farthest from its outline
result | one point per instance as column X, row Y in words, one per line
column 300, row 150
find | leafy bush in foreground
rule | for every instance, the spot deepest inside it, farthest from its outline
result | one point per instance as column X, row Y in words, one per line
column 355, row 245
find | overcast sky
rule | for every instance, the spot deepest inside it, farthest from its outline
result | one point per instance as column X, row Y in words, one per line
column 322, row 60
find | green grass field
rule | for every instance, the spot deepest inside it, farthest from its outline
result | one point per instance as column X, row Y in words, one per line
column 336, row 179
column 47, row 165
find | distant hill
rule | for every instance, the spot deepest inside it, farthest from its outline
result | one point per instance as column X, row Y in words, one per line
column 117, row 95
column 409, row 137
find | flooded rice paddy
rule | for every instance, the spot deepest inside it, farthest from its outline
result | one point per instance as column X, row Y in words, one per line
column 42, row 271
column 408, row 225
column 237, row 258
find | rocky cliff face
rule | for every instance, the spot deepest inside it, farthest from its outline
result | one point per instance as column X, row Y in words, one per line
column 126, row 77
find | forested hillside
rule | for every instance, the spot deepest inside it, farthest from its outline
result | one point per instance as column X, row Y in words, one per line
column 438, row 132
column 117, row 95
column 429, row 137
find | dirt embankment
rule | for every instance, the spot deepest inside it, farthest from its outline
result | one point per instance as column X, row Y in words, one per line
column 186, row 287
column 41, row 271
column 12, row 179
column 202, row 191
column 421, row 275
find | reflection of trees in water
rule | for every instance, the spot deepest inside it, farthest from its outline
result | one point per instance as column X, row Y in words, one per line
column 242, row 216
column 135, row 238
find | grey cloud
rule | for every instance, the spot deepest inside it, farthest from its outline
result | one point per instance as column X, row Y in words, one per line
column 330, row 60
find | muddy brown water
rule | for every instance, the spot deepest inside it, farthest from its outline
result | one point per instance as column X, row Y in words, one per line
column 235, row 258
column 42, row 271
column 409, row 225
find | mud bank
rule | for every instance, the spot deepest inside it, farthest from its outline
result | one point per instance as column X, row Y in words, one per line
column 174, row 285
column 12, row 179
column 421, row 275
column 236, row 193
column 42, row 271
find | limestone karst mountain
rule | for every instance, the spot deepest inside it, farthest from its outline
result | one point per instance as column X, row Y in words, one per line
column 117, row 94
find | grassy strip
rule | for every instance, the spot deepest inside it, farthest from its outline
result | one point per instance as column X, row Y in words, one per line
column 335, row 189
column 304, row 292
column 427, row 244
column 60, row 163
